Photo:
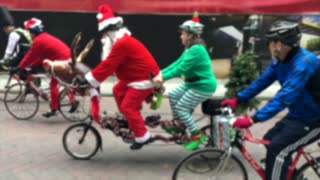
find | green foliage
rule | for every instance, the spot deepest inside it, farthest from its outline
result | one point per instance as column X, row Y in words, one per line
column 313, row 44
column 243, row 72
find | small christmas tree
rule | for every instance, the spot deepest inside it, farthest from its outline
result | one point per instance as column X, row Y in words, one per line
column 243, row 72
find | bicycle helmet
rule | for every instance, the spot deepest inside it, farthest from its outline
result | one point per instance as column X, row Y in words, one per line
column 34, row 25
column 285, row 32
column 193, row 26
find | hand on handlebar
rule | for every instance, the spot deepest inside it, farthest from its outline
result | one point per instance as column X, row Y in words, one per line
column 232, row 102
column 82, row 81
column 158, row 79
column 242, row 122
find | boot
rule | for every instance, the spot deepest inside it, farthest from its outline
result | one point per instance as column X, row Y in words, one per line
column 195, row 141
column 50, row 113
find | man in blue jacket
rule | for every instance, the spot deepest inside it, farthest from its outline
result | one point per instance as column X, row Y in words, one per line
column 295, row 68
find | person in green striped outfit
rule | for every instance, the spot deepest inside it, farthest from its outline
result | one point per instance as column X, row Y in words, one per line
column 194, row 65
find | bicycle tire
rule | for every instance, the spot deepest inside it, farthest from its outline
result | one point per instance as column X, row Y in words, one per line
column 208, row 164
column 21, row 103
column 303, row 172
column 80, row 114
column 86, row 128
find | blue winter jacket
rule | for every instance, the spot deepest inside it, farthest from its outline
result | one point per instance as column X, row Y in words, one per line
column 292, row 74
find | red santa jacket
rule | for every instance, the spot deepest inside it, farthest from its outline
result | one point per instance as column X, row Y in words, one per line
column 131, row 62
column 45, row 46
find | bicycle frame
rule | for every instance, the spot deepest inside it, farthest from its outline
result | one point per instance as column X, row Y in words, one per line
column 239, row 143
column 38, row 90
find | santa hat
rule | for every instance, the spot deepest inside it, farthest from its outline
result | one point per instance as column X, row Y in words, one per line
column 106, row 17
column 32, row 23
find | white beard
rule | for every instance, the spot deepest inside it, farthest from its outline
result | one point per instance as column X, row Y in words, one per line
column 109, row 39
column 106, row 47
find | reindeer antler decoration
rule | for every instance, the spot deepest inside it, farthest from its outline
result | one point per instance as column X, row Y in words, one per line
column 74, row 48
column 85, row 51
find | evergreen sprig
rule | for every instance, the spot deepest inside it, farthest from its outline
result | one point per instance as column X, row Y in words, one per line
column 243, row 72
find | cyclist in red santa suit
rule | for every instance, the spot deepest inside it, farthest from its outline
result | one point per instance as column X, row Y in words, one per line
column 132, row 64
column 45, row 46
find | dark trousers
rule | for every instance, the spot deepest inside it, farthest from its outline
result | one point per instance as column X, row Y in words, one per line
column 286, row 137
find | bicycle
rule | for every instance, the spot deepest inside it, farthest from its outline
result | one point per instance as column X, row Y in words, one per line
column 22, row 100
column 82, row 140
column 213, row 163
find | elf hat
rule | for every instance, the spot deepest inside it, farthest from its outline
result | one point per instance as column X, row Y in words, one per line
column 106, row 17
column 193, row 26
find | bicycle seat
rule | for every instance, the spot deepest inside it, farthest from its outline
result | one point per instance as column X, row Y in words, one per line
column 211, row 107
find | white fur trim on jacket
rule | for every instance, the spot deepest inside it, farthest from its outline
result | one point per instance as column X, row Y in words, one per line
column 109, row 21
column 144, row 138
column 146, row 84
column 93, row 82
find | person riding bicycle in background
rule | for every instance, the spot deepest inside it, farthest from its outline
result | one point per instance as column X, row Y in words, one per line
column 199, row 81
column 297, row 70
column 46, row 46
column 132, row 64
column 19, row 40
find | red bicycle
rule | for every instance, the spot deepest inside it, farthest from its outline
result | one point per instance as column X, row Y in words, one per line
column 213, row 163
column 22, row 99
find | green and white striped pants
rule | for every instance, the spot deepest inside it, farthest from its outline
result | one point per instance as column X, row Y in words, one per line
column 183, row 101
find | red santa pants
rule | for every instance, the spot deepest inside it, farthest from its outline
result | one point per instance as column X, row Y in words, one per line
column 129, row 101
column 54, row 92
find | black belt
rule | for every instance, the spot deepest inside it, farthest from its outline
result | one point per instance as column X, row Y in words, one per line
column 192, row 79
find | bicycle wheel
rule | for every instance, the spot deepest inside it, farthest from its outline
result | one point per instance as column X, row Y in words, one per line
column 213, row 164
column 21, row 102
column 307, row 172
column 81, row 141
column 74, row 114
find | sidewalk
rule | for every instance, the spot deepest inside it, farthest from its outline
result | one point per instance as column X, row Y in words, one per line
column 106, row 87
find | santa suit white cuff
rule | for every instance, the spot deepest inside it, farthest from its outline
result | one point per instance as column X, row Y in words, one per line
column 93, row 82
column 144, row 138
column 94, row 92
column 146, row 84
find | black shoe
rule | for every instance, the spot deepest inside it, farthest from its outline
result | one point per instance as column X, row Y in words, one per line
column 137, row 146
column 50, row 113
column 74, row 107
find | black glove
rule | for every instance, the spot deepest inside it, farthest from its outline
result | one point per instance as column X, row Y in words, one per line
column 13, row 70
column 81, row 81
